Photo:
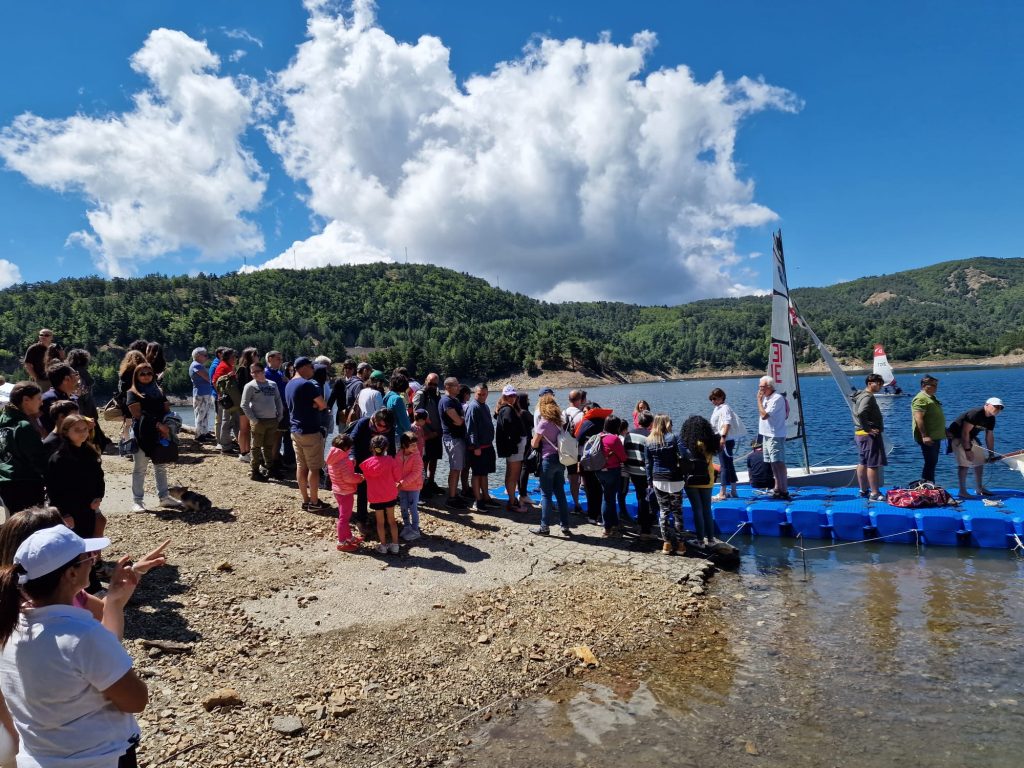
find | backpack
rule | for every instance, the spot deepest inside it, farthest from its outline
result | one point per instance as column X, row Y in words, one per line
column 229, row 396
column 593, row 459
column 568, row 449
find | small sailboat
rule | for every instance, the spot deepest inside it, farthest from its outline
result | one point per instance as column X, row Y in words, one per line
column 881, row 366
column 782, row 368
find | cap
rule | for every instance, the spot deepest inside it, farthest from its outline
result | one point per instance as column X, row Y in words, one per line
column 421, row 412
column 47, row 550
column 994, row 401
column 301, row 361
column 363, row 366
column 545, row 391
column 378, row 376
column 509, row 391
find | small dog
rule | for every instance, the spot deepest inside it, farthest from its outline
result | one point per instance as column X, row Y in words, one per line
column 193, row 502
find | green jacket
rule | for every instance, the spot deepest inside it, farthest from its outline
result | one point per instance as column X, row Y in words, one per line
column 22, row 456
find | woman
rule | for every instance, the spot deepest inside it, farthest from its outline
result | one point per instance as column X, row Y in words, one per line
column 155, row 357
column 243, row 375
column 22, row 455
column 35, row 365
column 67, row 680
column 510, row 443
column 54, row 354
column 552, row 471
column 665, row 475
column 611, row 476
column 229, row 417
column 529, row 467
column 74, row 478
column 641, row 406
column 702, row 443
column 125, row 375
column 729, row 428
column 79, row 359
column 148, row 407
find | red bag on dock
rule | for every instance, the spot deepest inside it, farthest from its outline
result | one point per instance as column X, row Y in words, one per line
column 923, row 495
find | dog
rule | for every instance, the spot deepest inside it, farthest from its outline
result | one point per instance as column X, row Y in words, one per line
column 192, row 501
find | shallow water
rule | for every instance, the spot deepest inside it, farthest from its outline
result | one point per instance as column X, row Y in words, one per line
column 879, row 657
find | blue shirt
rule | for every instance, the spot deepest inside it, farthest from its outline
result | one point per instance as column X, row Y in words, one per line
column 278, row 378
column 200, row 387
column 299, row 394
column 447, row 427
column 395, row 403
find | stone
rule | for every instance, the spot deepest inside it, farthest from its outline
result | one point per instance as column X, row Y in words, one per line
column 289, row 725
column 223, row 697
column 224, row 565
column 585, row 655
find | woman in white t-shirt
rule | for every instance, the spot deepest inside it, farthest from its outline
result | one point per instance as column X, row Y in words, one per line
column 68, row 682
column 728, row 426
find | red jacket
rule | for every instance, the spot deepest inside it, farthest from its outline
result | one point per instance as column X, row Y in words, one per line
column 382, row 474
column 222, row 369
column 344, row 478
column 412, row 470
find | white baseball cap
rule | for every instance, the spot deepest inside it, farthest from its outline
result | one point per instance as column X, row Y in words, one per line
column 994, row 401
column 47, row 550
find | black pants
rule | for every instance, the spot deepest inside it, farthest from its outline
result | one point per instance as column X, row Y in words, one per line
column 22, row 494
column 594, row 492
column 128, row 759
column 643, row 507
column 930, row 454
column 362, row 515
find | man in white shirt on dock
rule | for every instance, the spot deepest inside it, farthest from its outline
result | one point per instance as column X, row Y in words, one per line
column 772, row 409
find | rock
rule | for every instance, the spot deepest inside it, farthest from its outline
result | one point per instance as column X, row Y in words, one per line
column 484, row 639
column 342, row 710
column 313, row 754
column 289, row 725
column 585, row 655
column 224, row 565
column 167, row 646
column 752, row 748
column 224, row 697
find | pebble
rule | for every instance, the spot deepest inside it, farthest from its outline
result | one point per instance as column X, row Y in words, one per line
column 288, row 725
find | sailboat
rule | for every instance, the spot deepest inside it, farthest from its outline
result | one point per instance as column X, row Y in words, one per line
column 782, row 369
column 881, row 366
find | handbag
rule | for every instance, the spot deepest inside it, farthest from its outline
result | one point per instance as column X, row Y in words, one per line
column 112, row 411
column 127, row 446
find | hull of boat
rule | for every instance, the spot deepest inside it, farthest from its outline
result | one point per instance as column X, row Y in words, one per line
column 841, row 476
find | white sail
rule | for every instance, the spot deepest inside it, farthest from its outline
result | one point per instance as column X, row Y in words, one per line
column 781, row 366
column 882, row 367
column 846, row 389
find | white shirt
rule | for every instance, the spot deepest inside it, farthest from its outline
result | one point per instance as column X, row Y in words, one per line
column 53, row 672
column 571, row 418
column 775, row 424
column 370, row 401
column 724, row 414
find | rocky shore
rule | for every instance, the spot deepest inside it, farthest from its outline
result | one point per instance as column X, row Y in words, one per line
column 263, row 645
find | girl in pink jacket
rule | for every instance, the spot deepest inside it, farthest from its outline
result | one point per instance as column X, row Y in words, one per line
column 344, row 481
column 382, row 473
column 410, row 458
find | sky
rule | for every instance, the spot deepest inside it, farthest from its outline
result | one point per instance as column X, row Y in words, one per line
column 637, row 151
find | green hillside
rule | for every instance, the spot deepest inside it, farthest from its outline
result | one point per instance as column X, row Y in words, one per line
column 436, row 319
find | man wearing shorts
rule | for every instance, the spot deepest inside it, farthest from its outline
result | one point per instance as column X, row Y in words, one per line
column 963, row 438
column 868, row 427
column 304, row 405
column 453, row 437
column 772, row 409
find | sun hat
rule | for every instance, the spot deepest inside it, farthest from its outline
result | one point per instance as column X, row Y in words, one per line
column 509, row 391
column 995, row 401
column 47, row 550
column 301, row 361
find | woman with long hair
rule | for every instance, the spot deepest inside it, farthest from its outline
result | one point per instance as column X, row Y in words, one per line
column 249, row 356
column 702, row 443
column 74, row 477
column 155, row 357
column 665, row 475
column 125, row 374
column 22, row 455
column 728, row 427
column 148, row 407
column 641, row 406
column 510, row 443
column 552, row 471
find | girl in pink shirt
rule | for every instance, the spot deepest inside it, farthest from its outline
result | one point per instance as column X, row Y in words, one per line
column 410, row 458
column 382, row 473
column 344, row 482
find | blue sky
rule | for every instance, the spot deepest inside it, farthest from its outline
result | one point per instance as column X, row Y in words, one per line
column 891, row 142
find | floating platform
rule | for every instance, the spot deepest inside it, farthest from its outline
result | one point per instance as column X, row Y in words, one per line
column 840, row 514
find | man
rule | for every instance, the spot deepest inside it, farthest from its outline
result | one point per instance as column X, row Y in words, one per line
column 35, row 359
column 202, row 395
column 480, row 445
column 772, row 409
column 428, row 399
column 304, row 405
column 353, row 388
column 285, row 453
column 371, row 396
column 63, row 381
column 261, row 402
column 571, row 418
column 929, row 425
column 339, row 393
column 453, row 438
column 868, row 427
column 963, row 437
column 365, row 429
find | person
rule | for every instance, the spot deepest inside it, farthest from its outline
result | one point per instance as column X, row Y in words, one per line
column 353, row 389
column 642, row 406
column 510, row 443
column 665, row 476
column 34, row 360
column 148, row 407
column 22, row 456
column 531, row 459
column 67, row 680
column 590, row 423
column 701, row 443
column 363, row 431
column 321, row 377
column 58, row 413
column 727, row 425
column 427, row 399
column 243, row 375
column 74, row 478
column 610, row 477
column 382, row 473
column 202, row 395
column 395, row 402
column 79, row 359
column 229, row 398
column 421, row 428
column 371, row 396
column 139, row 345
column 125, row 376
column 410, row 463
column 773, row 409
column 480, row 446
column 963, row 441
column 285, row 452
column 304, row 406
column 634, row 441
column 262, row 406
column 339, row 389
column 453, row 437
column 868, row 428
column 63, row 386
column 155, row 357
column 552, row 471
column 760, row 473
column 571, row 418
column 344, row 482
column 929, row 425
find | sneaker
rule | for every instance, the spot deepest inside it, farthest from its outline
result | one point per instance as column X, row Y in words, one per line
column 170, row 503
column 305, row 506
column 454, row 502
column 476, row 506
column 567, row 532
column 540, row 530
column 864, row 494
column 876, row 497
column 258, row 477
column 318, row 506
column 382, row 549
column 138, row 506
column 667, row 548
column 243, row 457
column 348, row 546
column 985, row 492
column 404, row 534
column 228, row 451
column 413, row 535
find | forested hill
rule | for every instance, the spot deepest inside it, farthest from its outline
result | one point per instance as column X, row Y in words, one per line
column 436, row 319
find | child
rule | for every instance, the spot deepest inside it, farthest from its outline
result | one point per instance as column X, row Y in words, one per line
column 74, row 477
column 344, row 481
column 410, row 459
column 382, row 473
column 421, row 428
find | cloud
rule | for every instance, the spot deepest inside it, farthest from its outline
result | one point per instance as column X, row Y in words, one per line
column 242, row 34
column 237, row 55
column 168, row 175
column 9, row 273
column 572, row 171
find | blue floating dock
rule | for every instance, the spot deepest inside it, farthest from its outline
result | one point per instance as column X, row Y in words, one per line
column 849, row 519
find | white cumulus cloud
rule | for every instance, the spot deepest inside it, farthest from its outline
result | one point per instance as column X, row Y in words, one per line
column 9, row 273
column 572, row 172
column 169, row 174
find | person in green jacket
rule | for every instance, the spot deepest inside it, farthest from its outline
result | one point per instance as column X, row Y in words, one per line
column 22, row 456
